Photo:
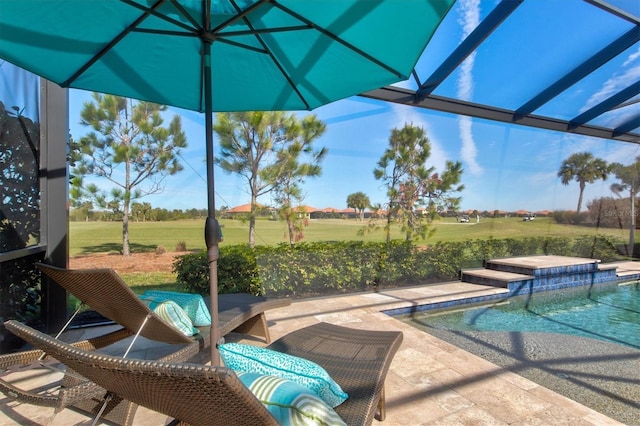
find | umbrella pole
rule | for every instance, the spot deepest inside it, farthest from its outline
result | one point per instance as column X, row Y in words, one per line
column 212, row 235
column 212, row 232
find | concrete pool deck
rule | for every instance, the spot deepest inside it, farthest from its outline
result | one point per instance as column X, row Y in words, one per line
column 430, row 382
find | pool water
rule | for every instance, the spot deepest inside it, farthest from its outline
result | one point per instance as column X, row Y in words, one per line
column 611, row 314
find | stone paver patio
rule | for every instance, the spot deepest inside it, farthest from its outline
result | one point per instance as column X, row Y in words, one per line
column 430, row 382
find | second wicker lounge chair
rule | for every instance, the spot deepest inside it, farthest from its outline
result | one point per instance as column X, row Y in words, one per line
column 104, row 291
column 196, row 394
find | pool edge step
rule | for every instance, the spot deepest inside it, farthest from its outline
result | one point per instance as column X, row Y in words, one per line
column 492, row 277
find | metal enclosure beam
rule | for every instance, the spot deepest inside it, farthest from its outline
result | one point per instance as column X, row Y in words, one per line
column 455, row 106
column 606, row 105
column 616, row 47
column 468, row 46
column 627, row 126
column 423, row 97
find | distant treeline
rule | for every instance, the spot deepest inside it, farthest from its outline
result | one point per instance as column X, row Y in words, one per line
column 154, row 214
column 606, row 212
column 143, row 212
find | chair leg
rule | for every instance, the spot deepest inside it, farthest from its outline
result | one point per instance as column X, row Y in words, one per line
column 107, row 398
column 381, row 413
column 256, row 326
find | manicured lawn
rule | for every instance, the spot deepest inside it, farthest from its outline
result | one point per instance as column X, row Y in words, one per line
column 106, row 237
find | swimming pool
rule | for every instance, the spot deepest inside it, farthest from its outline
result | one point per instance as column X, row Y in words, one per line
column 607, row 312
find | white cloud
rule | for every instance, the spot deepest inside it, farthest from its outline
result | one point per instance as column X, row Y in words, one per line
column 469, row 11
column 610, row 151
column 468, row 150
column 616, row 83
column 623, row 154
column 469, row 19
column 632, row 58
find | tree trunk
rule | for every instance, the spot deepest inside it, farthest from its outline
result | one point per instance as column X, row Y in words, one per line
column 291, row 231
column 388, row 227
column 126, row 251
column 632, row 227
column 252, row 222
column 582, row 185
column 125, row 230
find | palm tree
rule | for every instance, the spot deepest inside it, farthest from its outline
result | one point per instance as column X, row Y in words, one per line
column 629, row 177
column 583, row 168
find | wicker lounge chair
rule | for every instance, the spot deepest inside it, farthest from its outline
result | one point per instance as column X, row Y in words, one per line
column 358, row 360
column 201, row 395
column 236, row 312
column 105, row 292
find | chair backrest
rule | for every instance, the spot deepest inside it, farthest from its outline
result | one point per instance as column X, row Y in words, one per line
column 105, row 292
column 192, row 393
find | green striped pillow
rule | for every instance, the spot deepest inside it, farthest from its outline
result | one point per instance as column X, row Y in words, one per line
column 172, row 313
column 192, row 304
column 289, row 402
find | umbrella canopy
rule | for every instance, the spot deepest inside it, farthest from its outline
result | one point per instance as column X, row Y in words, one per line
column 220, row 55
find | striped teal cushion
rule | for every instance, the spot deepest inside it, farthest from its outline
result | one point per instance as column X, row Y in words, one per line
column 289, row 402
column 253, row 359
column 172, row 313
column 192, row 304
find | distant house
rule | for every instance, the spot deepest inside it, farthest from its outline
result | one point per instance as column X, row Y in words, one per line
column 306, row 212
column 244, row 209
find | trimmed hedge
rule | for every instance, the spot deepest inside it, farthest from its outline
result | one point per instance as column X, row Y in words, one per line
column 321, row 268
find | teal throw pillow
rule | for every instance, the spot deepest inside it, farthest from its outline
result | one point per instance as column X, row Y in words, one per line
column 192, row 304
column 289, row 402
column 253, row 359
column 172, row 313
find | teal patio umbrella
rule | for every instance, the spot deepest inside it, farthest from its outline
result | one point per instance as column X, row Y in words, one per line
column 220, row 55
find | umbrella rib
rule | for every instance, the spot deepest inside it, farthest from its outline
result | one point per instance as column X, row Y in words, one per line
column 164, row 32
column 152, row 11
column 241, row 45
column 338, row 40
column 240, row 14
column 186, row 14
column 275, row 61
column 110, row 45
column 264, row 30
column 223, row 37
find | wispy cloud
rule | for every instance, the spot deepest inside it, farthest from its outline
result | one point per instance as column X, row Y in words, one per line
column 622, row 79
column 469, row 11
column 632, row 59
column 623, row 154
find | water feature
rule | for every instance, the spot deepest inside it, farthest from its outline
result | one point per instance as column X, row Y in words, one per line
column 605, row 312
column 582, row 342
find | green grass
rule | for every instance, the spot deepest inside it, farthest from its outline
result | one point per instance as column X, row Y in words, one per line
column 106, row 237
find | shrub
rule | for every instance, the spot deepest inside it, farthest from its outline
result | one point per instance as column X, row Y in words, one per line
column 237, row 272
column 160, row 250
column 181, row 246
column 571, row 217
column 192, row 272
column 597, row 247
column 310, row 269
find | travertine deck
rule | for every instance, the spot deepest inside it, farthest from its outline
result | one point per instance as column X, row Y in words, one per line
column 430, row 381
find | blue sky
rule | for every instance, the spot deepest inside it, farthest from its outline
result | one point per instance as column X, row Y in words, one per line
column 506, row 167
